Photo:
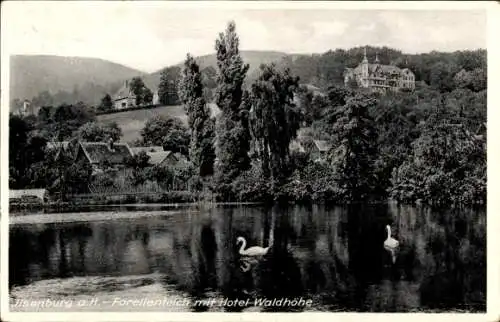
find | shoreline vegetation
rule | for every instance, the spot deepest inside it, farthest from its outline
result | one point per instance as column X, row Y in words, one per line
column 337, row 144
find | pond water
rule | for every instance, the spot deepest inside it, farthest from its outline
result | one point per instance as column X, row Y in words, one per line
column 320, row 259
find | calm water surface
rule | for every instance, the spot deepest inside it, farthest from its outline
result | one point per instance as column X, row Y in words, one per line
column 320, row 259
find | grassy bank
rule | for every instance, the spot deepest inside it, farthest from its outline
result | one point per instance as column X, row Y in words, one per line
column 132, row 122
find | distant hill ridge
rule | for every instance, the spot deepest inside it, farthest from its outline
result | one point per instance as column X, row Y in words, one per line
column 32, row 74
column 94, row 77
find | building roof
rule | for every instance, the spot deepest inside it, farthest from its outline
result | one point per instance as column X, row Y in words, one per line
column 123, row 92
column 98, row 152
column 314, row 89
column 158, row 157
column 214, row 109
column 386, row 69
column 146, row 149
column 322, row 145
column 372, row 68
column 39, row 193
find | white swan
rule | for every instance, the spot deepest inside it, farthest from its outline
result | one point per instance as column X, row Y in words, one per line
column 252, row 251
column 391, row 244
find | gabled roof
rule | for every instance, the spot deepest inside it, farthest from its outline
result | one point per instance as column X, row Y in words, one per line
column 123, row 92
column 146, row 149
column 386, row 69
column 39, row 193
column 158, row 157
column 322, row 145
column 99, row 152
column 314, row 89
column 372, row 68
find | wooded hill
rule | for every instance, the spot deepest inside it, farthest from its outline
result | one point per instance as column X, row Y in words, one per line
column 53, row 80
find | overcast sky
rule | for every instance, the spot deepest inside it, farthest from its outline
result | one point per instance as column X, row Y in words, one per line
column 152, row 35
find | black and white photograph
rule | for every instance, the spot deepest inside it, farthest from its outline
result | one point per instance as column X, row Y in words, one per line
column 238, row 157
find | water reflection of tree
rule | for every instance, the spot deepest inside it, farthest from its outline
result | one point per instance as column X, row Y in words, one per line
column 366, row 260
column 455, row 276
column 311, row 253
column 232, row 281
column 279, row 276
column 204, row 251
column 446, row 261
column 29, row 256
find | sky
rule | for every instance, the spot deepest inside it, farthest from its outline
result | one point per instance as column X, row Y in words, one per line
column 150, row 35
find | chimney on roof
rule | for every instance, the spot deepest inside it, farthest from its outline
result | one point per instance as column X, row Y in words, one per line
column 111, row 145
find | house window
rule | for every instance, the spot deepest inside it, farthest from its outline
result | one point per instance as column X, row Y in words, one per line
column 124, row 105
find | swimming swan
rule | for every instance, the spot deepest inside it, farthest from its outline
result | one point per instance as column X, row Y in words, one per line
column 252, row 251
column 390, row 244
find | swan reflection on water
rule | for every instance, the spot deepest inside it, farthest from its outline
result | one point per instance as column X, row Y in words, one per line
column 247, row 262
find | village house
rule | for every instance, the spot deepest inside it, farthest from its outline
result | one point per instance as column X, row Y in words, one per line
column 296, row 146
column 26, row 109
column 316, row 91
column 125, row 98
column 319, row 150
column 159, row 157
column 102, row 155
column 378, row 77
column 61, row 148
column 156, row 98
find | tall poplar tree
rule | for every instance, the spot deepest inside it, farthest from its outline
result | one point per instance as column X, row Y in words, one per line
column 232, row 131
column 201, row 149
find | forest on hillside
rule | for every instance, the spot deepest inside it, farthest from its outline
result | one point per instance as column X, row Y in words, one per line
column 427, row 145
column 435, row 69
